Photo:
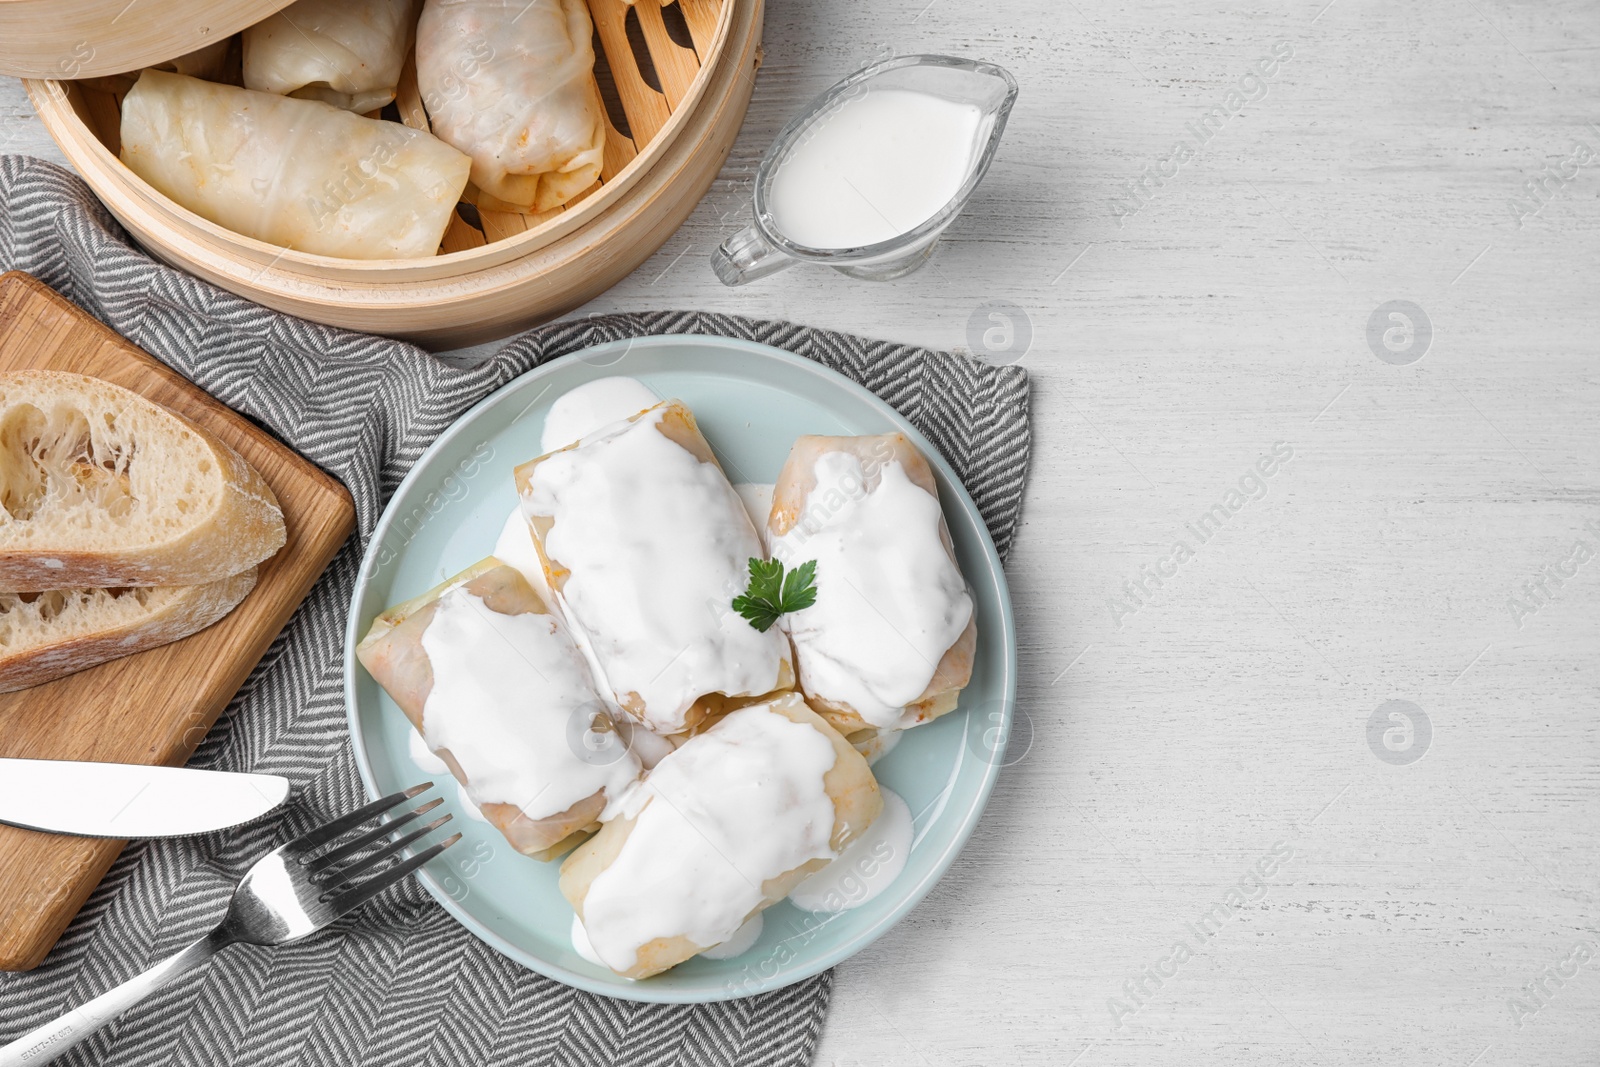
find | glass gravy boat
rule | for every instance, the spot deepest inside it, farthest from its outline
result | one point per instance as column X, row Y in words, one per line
column 762, row 248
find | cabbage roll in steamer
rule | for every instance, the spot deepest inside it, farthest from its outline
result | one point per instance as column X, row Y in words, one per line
column 348, row 53
column 298, row 174
column 512, row 85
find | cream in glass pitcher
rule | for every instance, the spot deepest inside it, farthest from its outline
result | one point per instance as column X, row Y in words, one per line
column 869, row 176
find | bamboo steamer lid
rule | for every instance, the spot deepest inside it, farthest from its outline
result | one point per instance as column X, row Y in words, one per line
column 91, row 38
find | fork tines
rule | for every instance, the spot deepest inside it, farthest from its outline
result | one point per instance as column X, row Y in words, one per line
column 338, row 868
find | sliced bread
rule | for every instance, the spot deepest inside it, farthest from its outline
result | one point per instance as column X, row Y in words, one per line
column 44, row 636
column 101, row 488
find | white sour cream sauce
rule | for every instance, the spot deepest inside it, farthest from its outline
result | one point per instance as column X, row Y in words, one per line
column 656, row 544
column 573, row 415
column 733, row 807
column 467, row 805
column 742, row 941
column 511, row 728
column 592, row 406
column 428, row 763
column 883, row 164
column 580, row 943
column 866, row 867
column 423, row 756
column 890, row 601
column 576, row 414
column 515, row 547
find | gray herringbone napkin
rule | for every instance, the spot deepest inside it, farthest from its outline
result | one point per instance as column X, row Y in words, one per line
column 400, row 983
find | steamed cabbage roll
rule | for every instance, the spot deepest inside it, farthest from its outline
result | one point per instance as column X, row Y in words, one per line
column 296, row 173
column 347, row 53
column 512, row 86
column 495, row 685
column 645, row 545
column 724, row 827
column 890, row 641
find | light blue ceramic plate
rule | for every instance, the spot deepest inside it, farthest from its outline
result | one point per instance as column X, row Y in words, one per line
column 752, row 402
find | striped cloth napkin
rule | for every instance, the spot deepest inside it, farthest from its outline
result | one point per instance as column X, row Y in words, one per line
column 400, row 983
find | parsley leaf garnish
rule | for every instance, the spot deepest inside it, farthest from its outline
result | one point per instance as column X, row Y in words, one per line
column 771, row 594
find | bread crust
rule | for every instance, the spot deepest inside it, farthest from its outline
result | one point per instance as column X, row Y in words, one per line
column 189, row 611
column 243, row 528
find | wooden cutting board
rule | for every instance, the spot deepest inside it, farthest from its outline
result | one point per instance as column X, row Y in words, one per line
column 154, row 707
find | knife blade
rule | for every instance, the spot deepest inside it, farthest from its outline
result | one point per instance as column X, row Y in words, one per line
column 127, row 801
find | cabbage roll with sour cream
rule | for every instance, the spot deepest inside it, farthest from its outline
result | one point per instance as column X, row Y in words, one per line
column 723, row 827
column 890, row 640
column 495, row 685
column 512, row 85
column 646, row 545
column 347, row 53
column 296, row 173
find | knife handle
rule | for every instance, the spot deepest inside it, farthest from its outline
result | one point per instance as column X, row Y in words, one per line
column 55, row 1038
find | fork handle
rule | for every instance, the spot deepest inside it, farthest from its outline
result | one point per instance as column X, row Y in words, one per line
column 55, row 1038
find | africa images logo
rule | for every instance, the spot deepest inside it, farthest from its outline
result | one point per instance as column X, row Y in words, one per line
column 1399, row 332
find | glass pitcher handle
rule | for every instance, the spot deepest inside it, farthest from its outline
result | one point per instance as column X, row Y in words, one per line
column 746, row 256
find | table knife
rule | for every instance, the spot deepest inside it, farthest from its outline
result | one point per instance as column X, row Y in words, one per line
column 129, row 801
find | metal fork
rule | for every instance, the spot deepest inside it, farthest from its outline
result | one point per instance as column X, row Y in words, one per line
column 289, row 894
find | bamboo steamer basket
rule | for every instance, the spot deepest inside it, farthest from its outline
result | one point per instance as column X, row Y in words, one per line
column 683, row 76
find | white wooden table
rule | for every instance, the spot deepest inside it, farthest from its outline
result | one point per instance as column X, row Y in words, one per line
column 1173, row 747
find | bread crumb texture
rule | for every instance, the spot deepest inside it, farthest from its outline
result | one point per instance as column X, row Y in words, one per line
column 80, row 465
column 46, row 635
column 102, row 488
column 31, row 619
